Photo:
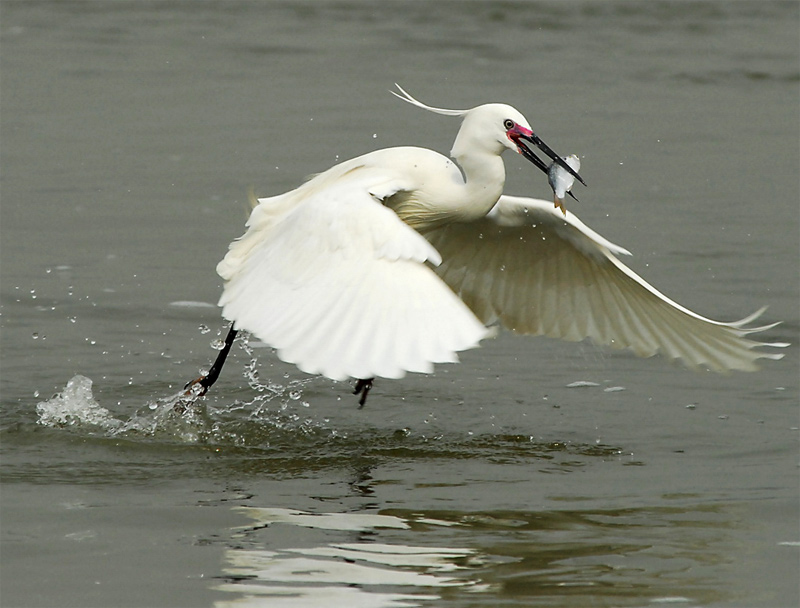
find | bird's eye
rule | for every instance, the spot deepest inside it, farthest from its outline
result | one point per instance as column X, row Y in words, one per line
column 508, row 124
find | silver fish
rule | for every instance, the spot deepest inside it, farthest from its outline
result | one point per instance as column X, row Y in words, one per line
column 561, row 180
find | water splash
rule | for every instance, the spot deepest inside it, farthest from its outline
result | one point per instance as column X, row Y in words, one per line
column 187, row 416
column 292, row 391
column 75, row 406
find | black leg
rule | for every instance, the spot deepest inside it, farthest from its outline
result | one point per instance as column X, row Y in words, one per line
column 212, row 375
column 363, row 387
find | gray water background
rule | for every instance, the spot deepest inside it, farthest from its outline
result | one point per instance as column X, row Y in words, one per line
column 130, row 133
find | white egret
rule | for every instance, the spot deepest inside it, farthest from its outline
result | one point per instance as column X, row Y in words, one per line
column 398, row 259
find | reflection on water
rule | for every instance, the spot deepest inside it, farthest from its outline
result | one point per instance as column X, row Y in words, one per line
column 364, row 573
column 324, row 521
column 258, row 596
column 626, row 557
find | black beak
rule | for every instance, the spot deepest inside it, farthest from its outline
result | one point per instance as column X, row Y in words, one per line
column 528, row 153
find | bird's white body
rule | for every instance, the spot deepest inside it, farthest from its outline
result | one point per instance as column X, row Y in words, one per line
column 399, row 259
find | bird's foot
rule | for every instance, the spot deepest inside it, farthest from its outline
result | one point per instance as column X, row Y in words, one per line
column 192, row 390
column 197, row 387
column 363, row 387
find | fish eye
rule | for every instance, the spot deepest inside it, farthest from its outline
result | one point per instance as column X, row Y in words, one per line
column 508, row 124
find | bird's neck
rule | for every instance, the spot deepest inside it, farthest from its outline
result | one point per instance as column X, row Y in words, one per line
column 484, row 178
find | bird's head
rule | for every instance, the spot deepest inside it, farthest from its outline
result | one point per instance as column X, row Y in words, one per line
column 493, row 128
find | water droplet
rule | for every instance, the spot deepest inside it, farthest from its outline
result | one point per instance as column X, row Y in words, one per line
column 294, row 395
column 374, row 136
column 35, row 335
column 218, row 344
column 73, row 319
column 204, row 329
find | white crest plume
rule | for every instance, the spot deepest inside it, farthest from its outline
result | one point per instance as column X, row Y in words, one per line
column 405, row 96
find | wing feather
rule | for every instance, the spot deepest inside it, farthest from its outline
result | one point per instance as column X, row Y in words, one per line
column 339, row 285
column 538, row 272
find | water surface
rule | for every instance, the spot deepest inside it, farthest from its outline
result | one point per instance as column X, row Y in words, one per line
column 534, row 473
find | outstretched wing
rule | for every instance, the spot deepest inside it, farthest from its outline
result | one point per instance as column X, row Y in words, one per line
column 339, row 285
column 538, row 272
